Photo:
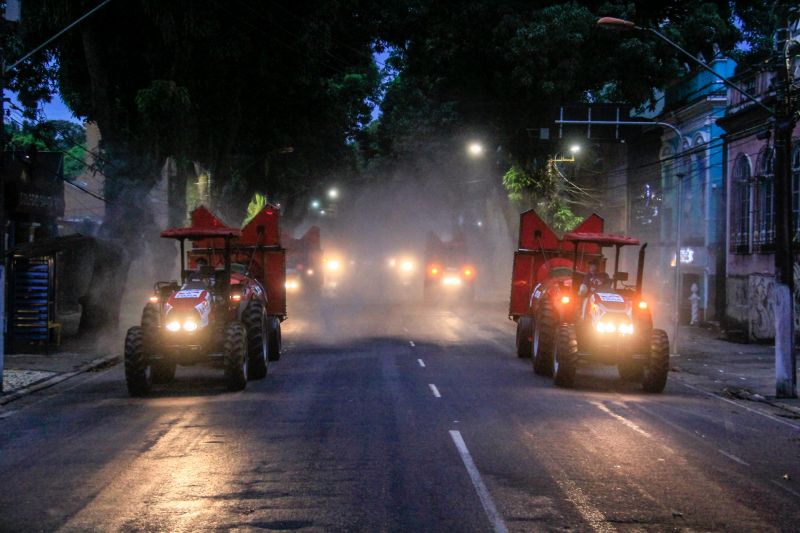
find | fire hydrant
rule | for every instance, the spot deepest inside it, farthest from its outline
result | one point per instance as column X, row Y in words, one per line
column 694, row 299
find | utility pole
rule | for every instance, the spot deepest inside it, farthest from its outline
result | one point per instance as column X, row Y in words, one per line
column 10, row 15
column 678, row 244
column 783, row 305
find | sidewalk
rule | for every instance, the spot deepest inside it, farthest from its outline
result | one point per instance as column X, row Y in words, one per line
column 26, row 373
column 734, row 370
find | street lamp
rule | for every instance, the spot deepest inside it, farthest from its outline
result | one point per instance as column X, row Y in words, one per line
column 573, row 150
column 315, row 204
column 475, row 149
column 621, row 25
column 333, row 193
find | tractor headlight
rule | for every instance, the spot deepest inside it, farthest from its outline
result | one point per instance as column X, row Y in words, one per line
column 174, row 325
column 626, row 329
column 606, row 327
column 190, row 325
column 451, row 281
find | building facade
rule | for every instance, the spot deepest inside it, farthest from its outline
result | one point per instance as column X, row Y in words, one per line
column 691, row 194
column 750, row 236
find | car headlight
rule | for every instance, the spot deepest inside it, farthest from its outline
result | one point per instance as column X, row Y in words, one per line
column 174, row 325
column 190, row 325
column 407, row 266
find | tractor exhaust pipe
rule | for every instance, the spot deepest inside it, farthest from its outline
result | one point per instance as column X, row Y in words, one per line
column 640, row 270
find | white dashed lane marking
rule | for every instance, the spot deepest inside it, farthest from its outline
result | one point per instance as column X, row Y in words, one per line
column 483, row 493
column 434, row 390
column 421, row 363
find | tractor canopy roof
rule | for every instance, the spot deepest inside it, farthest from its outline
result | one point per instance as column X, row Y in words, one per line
column 200, row 233
column 601, row 239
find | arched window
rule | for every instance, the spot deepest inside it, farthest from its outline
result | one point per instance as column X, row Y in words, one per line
column 764, row 234
column 796, row 190
column 740, row 217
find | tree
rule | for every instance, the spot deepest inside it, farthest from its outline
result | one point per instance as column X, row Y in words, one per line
column 52, row 135
column 494, row 68
column 227, row 86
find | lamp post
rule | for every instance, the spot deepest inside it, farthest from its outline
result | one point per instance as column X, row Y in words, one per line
column 678, row 245
column 784, row 120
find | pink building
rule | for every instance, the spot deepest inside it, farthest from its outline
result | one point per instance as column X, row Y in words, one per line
column 750, row 263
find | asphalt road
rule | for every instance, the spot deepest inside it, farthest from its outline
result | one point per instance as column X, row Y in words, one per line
column 393, row 417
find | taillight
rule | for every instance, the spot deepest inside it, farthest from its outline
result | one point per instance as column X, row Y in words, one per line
column 565, row 300
column 154, row 299
column 642, row 305
column 236, row 297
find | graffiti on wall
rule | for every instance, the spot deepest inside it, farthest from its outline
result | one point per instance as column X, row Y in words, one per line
column 762, row 325
column 796, row 298
column 750, row 304
column 738, row 308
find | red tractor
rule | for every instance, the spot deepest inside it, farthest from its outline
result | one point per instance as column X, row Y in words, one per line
column 447, row 268
column 227, row 308
column 304, row 263
column 569, row 310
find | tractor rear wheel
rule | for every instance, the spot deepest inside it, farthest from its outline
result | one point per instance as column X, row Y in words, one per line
column 274, row 341
column 544, row 330
column 235, row 356
column 255, row 319
column 630, row 371
column 565, row 359
column 524, row 334
column 137, row 368
column 657, row 366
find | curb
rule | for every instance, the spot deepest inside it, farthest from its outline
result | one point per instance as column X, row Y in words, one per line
column 58, row 378
column 747, row 396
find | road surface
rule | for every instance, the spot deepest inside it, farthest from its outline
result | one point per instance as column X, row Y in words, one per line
column 393, row 417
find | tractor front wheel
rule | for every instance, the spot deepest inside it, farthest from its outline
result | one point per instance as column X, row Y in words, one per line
column 544, row 330
column 274, row 340
column 255, row 320
column 138, row 374
column 524, row 334
column 235, row 356
column 657, row 367
column 565, row 359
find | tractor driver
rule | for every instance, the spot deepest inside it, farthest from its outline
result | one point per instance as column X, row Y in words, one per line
column 593, row 279
column 203, row 276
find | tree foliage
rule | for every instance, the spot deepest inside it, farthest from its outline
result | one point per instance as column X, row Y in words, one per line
column 493, row 69
column 227, row 85
column 51, row 135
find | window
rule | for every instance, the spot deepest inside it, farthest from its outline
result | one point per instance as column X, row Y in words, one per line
column 764, row 234
column 740, row 217
column 796, row 191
